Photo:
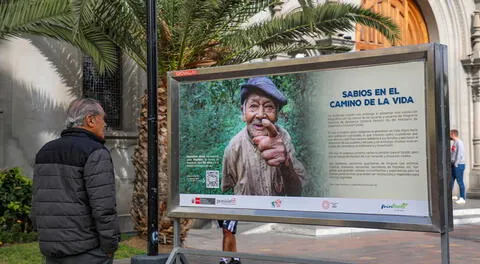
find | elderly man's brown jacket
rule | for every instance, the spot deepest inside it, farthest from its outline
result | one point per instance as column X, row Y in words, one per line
column 247, row 172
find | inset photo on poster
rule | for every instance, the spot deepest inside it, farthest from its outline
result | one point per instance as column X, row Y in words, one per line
column 243, row 137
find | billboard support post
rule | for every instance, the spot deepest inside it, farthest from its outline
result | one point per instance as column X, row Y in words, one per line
column 445, row 247
column 442, row 95
column 176, row 232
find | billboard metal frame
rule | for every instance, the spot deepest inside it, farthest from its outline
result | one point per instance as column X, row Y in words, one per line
column 440, row 218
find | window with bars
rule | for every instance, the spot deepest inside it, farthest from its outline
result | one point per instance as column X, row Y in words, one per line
column 107, row 89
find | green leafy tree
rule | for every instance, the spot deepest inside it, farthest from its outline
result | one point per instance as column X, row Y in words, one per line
column 191, row 33
column 15, row 206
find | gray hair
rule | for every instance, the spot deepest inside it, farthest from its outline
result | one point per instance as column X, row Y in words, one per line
column 79, row 109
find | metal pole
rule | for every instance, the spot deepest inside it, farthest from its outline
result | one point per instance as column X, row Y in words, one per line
column 441, row 54
column 176, row 233
column 152, row 129
column 445, row 248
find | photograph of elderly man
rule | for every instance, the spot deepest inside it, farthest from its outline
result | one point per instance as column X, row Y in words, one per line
column 260, row 159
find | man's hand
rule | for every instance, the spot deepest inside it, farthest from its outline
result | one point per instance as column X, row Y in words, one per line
column 271, row 147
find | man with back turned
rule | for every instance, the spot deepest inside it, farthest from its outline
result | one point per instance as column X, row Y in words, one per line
column 73, row 205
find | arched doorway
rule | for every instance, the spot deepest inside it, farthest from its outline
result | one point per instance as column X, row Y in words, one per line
column 405, row 13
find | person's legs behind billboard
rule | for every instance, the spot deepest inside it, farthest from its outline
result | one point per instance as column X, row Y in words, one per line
column 458, row 172
column 452, row 184
column 229, row 243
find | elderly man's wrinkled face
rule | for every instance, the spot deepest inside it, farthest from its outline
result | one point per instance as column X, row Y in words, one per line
column 257, row 107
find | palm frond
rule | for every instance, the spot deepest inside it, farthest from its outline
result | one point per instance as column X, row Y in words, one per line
column 24, row 13
column 191, row 22
column 306, row 3
column 83, row 12
column 96, row 45
column 230, row 15
column 210, row 21
column 138, row 9
column 290, row 48
column 385, row 25
column 121, row 23
column 80, row 24
column 233, row 13
column 191, row 32
column 301, row 28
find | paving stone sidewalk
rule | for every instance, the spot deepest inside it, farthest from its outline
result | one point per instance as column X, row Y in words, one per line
column 381, row 246
column 390, row 247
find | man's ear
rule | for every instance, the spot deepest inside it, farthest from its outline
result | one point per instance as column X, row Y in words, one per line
column 89, row 121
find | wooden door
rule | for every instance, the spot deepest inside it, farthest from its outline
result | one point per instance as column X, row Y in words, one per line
column 405, row 13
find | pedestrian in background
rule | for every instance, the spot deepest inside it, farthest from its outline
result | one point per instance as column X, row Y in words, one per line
column 458, row 165
column 73, row 203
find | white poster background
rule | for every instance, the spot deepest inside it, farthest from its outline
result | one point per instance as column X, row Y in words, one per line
column 374, row 151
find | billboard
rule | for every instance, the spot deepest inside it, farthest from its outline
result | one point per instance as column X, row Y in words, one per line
column 350, row 140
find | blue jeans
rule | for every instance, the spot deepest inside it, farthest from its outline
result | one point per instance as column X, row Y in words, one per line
column 457, row 174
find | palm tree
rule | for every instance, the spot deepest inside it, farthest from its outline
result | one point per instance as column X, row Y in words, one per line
column 191, row 33
column 201, row 33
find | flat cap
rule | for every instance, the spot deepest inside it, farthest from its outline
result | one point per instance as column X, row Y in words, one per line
column 264, row 85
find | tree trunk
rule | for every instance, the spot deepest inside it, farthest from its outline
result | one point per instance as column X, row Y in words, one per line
column 139, row 208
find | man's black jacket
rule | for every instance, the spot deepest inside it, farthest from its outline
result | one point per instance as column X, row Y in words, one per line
column 73, row 205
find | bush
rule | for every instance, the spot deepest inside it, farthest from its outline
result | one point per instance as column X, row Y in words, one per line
column 12, row 237
column 15, row 206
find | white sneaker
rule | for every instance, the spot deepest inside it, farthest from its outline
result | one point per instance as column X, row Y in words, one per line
column 460, row 201
column 454, row 198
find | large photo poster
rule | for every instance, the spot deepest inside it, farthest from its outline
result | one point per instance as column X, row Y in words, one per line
column 344, row 140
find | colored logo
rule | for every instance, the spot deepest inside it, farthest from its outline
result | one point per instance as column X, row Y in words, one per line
column 329, row 204
column 325, row 205
column 277, row 203
column 185, row 73
column 394, row 206
column 199, row 200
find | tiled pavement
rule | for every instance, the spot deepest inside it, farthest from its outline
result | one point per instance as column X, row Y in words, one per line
column 382, row 246
column 393, row 247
